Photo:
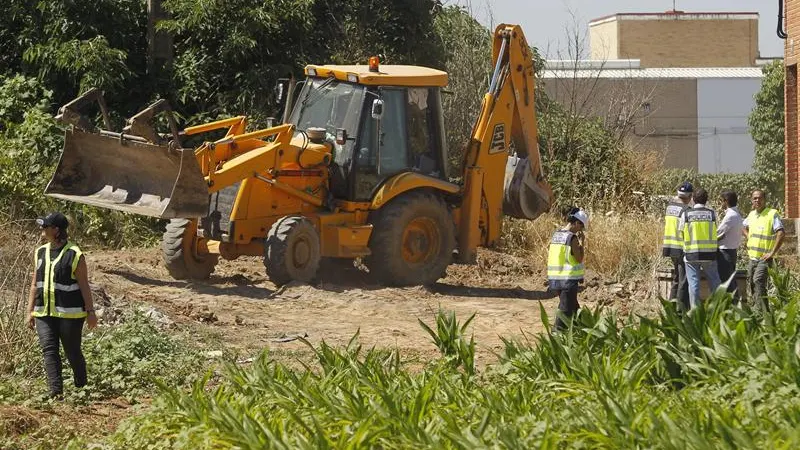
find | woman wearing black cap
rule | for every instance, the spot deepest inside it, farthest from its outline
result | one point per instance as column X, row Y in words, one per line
column 60, row 301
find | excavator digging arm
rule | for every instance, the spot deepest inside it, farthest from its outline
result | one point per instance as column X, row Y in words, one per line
column 502, row 166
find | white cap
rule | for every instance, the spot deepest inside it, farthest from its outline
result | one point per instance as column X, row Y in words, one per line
column 583, row 217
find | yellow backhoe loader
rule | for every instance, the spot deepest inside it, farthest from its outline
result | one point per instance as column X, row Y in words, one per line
column 358, row 169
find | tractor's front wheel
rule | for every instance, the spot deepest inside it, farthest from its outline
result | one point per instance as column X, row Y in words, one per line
column 178, row 246
column 292, row 251
column 412, row 240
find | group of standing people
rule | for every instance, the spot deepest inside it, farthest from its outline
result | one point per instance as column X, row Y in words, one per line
column 698, row 245
column 696, row 242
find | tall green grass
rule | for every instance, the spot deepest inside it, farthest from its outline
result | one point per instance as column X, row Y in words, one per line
column 719, row 377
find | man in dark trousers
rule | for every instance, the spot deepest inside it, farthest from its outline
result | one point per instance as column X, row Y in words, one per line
column 672, row 246
column 729, row 237
column 764, row 231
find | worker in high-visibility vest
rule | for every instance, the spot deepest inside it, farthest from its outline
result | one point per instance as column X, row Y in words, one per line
column 698, row 226
column 565, row 268
column 60, row 301
column 672, row 244
column 764, row 232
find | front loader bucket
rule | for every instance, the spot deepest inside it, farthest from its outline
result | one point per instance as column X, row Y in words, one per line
column 524, row 197
column 129, row 174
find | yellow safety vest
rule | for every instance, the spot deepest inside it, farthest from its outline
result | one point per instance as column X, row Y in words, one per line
column 700, row 234
column 57, row 290
column 760, row 235
column 561, row 265
column 673, row 241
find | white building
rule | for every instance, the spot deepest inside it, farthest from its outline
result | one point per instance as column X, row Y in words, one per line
column 695, row 118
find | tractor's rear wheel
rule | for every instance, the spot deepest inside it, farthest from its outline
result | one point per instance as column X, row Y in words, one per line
column 178, row 246
column 292, row 251
column 412, row 240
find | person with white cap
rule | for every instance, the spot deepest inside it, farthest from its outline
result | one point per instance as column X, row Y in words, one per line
column 565, row 265
column 672, row 246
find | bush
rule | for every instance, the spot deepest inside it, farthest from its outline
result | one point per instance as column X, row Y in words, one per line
column 667, row 182
column 129, row 360
column 19, row 350
column 766, row 123
column 585, row 163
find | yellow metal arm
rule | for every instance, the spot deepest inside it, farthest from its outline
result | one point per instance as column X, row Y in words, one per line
column 507, row 115
column 234, row 122
column 232, row 159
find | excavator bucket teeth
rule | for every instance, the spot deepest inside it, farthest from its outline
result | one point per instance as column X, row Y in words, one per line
column 130, row 175
column 524, row 197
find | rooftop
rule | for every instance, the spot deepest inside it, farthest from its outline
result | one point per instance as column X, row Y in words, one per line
column 397, row 75
column 678, row 15
column 652, row 72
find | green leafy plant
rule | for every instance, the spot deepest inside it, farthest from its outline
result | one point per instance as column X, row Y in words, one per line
column 130, row 359
column 450, row 339
column 717, row 377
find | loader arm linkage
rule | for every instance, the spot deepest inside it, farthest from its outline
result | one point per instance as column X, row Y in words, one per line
column 504, row 141
column 141, row 171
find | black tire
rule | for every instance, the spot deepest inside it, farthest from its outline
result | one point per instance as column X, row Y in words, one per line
column 177, row 244
column 292, row 251
column 412, row 240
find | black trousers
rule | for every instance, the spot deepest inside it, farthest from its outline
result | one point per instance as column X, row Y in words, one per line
column 567, row 304
column 51, row 330
column 680, row 286
column 726, row 264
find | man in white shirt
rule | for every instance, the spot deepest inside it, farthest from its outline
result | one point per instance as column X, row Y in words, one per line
column 729, row 236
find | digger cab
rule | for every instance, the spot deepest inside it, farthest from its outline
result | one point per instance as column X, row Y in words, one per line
column 387, row 120
column 381, row 120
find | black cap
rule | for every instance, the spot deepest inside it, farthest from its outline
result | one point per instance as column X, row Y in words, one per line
column 54, row 219
column 685, row 189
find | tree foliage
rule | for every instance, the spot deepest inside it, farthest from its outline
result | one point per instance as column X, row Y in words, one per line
column 227, row 57
column 468, row 56
column 766, row 127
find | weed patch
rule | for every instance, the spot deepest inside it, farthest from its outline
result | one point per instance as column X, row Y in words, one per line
column 616, row 246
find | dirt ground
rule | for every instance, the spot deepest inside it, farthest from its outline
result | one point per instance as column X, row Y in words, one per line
column 249, row 313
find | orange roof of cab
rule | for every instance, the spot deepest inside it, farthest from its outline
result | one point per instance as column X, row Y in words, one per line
column 387, row 75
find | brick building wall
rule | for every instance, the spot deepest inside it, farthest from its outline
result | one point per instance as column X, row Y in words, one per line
column 659, row 40
column 792, row 48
